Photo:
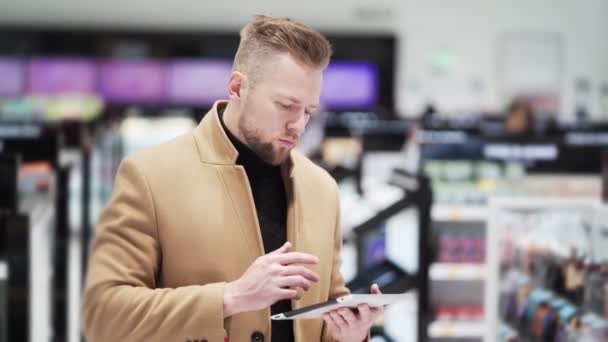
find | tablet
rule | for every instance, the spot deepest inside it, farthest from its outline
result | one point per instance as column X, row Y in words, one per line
column 350, row 301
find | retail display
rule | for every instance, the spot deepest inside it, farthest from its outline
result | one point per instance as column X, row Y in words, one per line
column 463, row 247
column 35, row 234
column 16, row 229
column 471, row 183
column 547, row 270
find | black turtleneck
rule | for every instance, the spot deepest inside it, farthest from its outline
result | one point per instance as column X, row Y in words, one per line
column 271, row 206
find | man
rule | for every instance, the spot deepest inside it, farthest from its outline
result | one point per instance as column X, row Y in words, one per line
column 207, row 235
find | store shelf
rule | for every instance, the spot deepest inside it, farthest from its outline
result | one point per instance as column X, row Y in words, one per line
column 454, row 329
column 443, row 212
column 457, row 272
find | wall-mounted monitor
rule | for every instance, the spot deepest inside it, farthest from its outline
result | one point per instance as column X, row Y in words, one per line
column 350, row 85
column 197, row 81
column 61, row 76
column 132, row 81
column 11, row 77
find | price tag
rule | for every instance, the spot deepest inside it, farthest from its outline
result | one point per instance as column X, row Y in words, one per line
column 455, row 214
column 452, row 272
column 480, row 273
column 447, row 330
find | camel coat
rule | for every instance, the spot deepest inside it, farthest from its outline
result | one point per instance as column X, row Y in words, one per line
column 180, row 224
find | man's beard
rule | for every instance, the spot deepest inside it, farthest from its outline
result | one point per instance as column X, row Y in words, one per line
column 264, row 150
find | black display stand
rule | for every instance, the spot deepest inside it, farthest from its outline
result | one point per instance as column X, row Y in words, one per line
column 39, row 141
column 418, row 196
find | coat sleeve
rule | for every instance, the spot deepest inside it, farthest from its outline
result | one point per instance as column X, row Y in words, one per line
column 121, row 299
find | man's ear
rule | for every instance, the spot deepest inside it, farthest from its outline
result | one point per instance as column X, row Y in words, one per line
column 237, row 84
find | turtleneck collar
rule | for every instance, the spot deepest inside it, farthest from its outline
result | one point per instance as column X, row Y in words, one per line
column 247, row 157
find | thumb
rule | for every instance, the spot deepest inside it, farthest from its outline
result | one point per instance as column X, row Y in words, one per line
column 375, row 289
column 283, row 249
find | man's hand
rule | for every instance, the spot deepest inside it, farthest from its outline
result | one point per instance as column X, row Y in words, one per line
column 346, row 325
column 271, row 278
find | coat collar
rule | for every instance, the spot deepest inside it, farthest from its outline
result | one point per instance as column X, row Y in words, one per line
column 214, row 146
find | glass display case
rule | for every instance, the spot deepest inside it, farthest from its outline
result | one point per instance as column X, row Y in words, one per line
column 547, row 270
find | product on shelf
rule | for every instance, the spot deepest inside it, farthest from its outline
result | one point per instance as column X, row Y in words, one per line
column 459, row 312
column 461, row 247
column 551, row 284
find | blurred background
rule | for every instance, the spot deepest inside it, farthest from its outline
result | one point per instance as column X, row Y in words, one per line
column 468, row 139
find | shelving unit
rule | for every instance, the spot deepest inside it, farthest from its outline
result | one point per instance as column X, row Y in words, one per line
column 557, row 218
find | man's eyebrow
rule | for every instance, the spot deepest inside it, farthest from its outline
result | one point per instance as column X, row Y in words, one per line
column 298, row 102
column 290, row 98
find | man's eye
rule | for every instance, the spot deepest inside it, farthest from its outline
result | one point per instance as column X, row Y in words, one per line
column 286, row 107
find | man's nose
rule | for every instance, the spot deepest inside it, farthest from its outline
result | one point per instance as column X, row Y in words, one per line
column 296, row 127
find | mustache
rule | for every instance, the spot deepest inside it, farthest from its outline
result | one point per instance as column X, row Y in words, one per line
column 291, row 137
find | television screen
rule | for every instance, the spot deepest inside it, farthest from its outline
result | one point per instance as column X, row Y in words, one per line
column 61, row 76
column 11, row 77
column 350, row 85
column 132, row 81
column 198, row 81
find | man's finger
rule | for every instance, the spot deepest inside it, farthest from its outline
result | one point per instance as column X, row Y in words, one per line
column 376, row 312
column 375, row 289
column 365, row 313
column 293, row 281
column 338, row 319
column 332, row 325
column 288, row 294
column 348, row 316
column 300, row 270
column 296, row 258
column 283, row 249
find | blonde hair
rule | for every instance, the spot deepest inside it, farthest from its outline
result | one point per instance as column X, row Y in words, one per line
column 267, row 35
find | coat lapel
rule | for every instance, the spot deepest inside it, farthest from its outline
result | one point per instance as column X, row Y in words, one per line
column 294, row 215
column 236, row 182
column 215, row 147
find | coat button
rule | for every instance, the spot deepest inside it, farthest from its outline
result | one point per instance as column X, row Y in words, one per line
column 257, row 337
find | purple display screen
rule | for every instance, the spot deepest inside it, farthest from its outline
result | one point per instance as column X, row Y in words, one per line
column 132, row 81
column 350, row 85
column 198, row 82
column 11, row 77
column 60, row 76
